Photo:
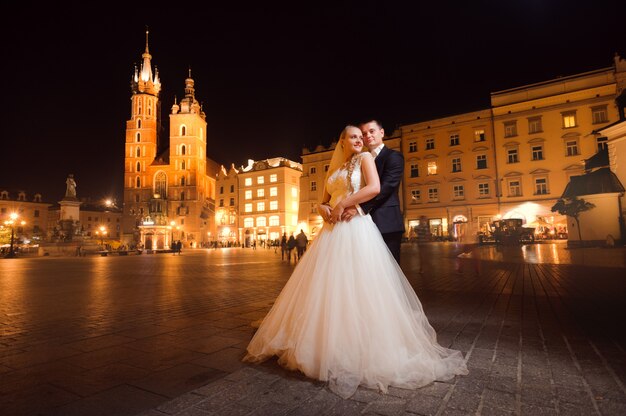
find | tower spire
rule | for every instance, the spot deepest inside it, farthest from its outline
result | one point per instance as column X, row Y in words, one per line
column 146, row 67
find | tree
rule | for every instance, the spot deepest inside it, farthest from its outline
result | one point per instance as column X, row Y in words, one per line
column 573, row 207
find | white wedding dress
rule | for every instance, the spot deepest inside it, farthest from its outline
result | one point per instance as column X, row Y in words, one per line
column 349, row 316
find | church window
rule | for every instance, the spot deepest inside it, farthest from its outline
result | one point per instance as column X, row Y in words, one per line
column 183, row 130
column 136, row 197
column 138, row 152
column 149, row 107
column 138, row 123
column 160, row 184
column 138, row 182
column 182, row 196
column 182, row 181
column 183, row 149
column 138, row 105
column 182, row 165
column 138, row 167
column 138, row 137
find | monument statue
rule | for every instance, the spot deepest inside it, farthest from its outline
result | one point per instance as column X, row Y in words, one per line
column 70, row 190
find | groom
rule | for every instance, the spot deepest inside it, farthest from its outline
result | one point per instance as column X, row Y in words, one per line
column 384, row 207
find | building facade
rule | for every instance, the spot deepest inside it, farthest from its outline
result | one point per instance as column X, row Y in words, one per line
column 268, row 195
column 31, row 223
column 450, row 172
column 169, row 191
column 544, row 132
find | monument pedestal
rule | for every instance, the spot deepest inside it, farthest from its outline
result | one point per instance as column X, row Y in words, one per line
column 69, row 217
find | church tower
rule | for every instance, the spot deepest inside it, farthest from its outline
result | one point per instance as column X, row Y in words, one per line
column 141, row 142
column 169, row 191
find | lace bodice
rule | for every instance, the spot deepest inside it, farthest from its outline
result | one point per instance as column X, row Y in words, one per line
column 337, row 183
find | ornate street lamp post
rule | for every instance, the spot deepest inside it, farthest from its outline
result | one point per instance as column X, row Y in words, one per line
column 10, row 223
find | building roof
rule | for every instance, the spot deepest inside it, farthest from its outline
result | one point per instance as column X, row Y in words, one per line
column 601, row 181
column 599, row 160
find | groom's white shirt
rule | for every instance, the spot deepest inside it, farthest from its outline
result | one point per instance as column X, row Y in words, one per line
column 376, row 152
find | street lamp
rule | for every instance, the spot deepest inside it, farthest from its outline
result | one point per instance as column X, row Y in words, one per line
column 10, row 222
column 102, row 232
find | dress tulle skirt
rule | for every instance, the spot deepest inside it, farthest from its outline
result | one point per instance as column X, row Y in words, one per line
column 349, row 316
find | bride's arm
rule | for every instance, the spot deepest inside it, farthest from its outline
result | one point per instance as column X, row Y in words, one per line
column 369, row 191
column 323, row 208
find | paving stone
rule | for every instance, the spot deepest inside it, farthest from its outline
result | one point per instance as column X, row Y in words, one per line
column 180, row 403
column 499, row 399
column 387, row 406
column 422, row 404
column 538, row 410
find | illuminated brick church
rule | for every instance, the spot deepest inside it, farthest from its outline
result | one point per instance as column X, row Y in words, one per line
column 169, row 190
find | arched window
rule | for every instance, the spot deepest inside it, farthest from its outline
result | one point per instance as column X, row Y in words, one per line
column 160, row 184
column 138, row 137
column 149, row 107
column 138, row 182
column 183, row 130
column 138, row 123
column 138, row 167
column 182, row 181
column 138, row 152
column 37, row 198
column 261, row 222
column 138, row 105
column 183, row 150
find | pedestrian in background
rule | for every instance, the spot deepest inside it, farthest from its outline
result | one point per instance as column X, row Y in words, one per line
column 291, row 244
column 283, row 246
column 301, row 242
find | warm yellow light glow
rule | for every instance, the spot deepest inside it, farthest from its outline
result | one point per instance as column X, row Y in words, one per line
column 13, row 216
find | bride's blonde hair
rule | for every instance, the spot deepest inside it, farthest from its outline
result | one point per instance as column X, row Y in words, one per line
column 339, row 157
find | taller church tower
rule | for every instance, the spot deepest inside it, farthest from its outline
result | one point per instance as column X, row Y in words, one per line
column 168, row 194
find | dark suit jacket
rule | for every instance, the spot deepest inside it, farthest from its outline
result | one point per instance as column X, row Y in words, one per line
column 385, row 207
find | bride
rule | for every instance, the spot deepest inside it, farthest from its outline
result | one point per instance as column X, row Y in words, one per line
column 348, row 315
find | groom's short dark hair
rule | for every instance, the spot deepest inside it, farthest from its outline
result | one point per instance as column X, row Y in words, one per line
column 371, row 120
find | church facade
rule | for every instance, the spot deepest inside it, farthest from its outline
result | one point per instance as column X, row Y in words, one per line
column 169, row 188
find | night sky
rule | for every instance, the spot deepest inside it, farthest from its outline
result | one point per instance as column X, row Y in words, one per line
column 272, row 78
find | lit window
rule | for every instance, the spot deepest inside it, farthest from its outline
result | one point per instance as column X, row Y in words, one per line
column 601, row 142
column 274, row 221
column 248, row 195
column 534, row 125
column 458, row 191
column 294, row 205
column 414, row 170
column 510, row 128
column 273, row 205
column 415, row 195
column 454, row 140
column 260, row 180
column 248, row 208
column 599, row 114
column 432, row 168
column 479, row 135
column 569, row 119
column 512, row 156
column 248, row 222
column 483, row 189
column 481, row 162
column 571, row 147
column 456, row 164
column 541, row 186
column 294, row 192
column 260, row 193
column 412, row 146
column 248, row 182
column 273, row 191
column 261, row 222
column 433, row 194
column 313, row 186
column 260, row 206
column 273, row 177
column 430, row 143
column 294, row 220
column 514, row 188
column 537, row 152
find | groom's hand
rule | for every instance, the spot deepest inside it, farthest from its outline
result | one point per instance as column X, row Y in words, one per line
column 348, row 213
column 324, row 211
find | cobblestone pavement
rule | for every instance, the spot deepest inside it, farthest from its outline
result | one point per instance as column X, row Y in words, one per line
column 164, row 335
